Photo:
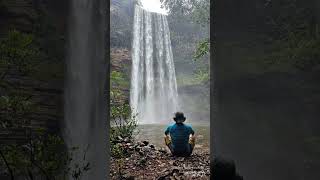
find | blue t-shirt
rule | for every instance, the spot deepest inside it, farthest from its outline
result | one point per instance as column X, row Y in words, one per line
column 180, row 136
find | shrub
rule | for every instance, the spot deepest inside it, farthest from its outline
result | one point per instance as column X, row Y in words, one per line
column 123, row 127
column 15, row 111
column 123, row 124
column 18, row 51
column 43, row 156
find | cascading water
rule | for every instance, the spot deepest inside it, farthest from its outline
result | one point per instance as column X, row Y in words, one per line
column 153, row 94
column 85, row 112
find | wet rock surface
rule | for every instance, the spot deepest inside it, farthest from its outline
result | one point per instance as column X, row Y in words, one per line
column 145, row 161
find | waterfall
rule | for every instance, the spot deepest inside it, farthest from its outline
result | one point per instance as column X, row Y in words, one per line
column 153, row 93
column 85, row 112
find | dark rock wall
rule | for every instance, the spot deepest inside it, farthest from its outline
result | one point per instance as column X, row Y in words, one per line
column 263, row 120
column 46, row 20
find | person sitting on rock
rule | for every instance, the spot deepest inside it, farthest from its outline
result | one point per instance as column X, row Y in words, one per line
column 179, row 137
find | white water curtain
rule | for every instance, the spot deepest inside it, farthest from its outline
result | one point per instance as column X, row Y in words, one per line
column 153, row 93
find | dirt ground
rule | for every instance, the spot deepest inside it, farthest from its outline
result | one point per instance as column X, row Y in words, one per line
column 145, row 161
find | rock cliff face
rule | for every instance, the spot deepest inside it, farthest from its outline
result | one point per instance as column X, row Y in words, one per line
column 28, row 15
column 121, row 19
column 18, row 14
column 121, row 62
column 47, row 21
column 46, row 95
column 121, row 23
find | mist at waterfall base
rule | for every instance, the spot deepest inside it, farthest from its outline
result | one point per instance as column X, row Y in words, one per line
column 85, row 111
column 153, row 93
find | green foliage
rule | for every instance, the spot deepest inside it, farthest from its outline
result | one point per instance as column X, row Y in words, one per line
column 44, row 155
column 189, row 29
column 124, row 123
column 187, row 7
column 120, row 112
column 119, row 166
column 117, row 151
column 18, row 52
column 121, row 20
column 288, row 17
column 48, row 150
column 184, row 80
column 115, row 96
column 202, row 76
column 198, row 11
column 118, row 80
column 15, row 111
column 302, row 53
column 293, row 40
column 123, row 127
column 201, row 13
column 118, row 84
column 202, row 49
column 288, row 42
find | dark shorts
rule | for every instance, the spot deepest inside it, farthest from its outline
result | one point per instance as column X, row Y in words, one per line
column 186, row 152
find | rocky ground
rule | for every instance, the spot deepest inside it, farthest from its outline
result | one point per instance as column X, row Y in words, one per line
column 145, row 161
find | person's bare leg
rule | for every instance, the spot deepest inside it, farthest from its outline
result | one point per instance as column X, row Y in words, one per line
column 167, row 141
column 192, row 142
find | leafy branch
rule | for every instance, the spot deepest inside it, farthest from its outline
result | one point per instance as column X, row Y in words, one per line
column 202, row 49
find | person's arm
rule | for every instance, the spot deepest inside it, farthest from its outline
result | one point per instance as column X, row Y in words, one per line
column 191, row 131
column 167, row 137
column 167, row 131
column 192, row 138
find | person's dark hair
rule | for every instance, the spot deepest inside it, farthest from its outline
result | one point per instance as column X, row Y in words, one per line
column 179, row 116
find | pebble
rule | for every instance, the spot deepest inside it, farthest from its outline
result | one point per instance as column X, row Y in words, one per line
column 145, row 143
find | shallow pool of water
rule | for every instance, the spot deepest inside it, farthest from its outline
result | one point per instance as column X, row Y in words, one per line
column 154, row 133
